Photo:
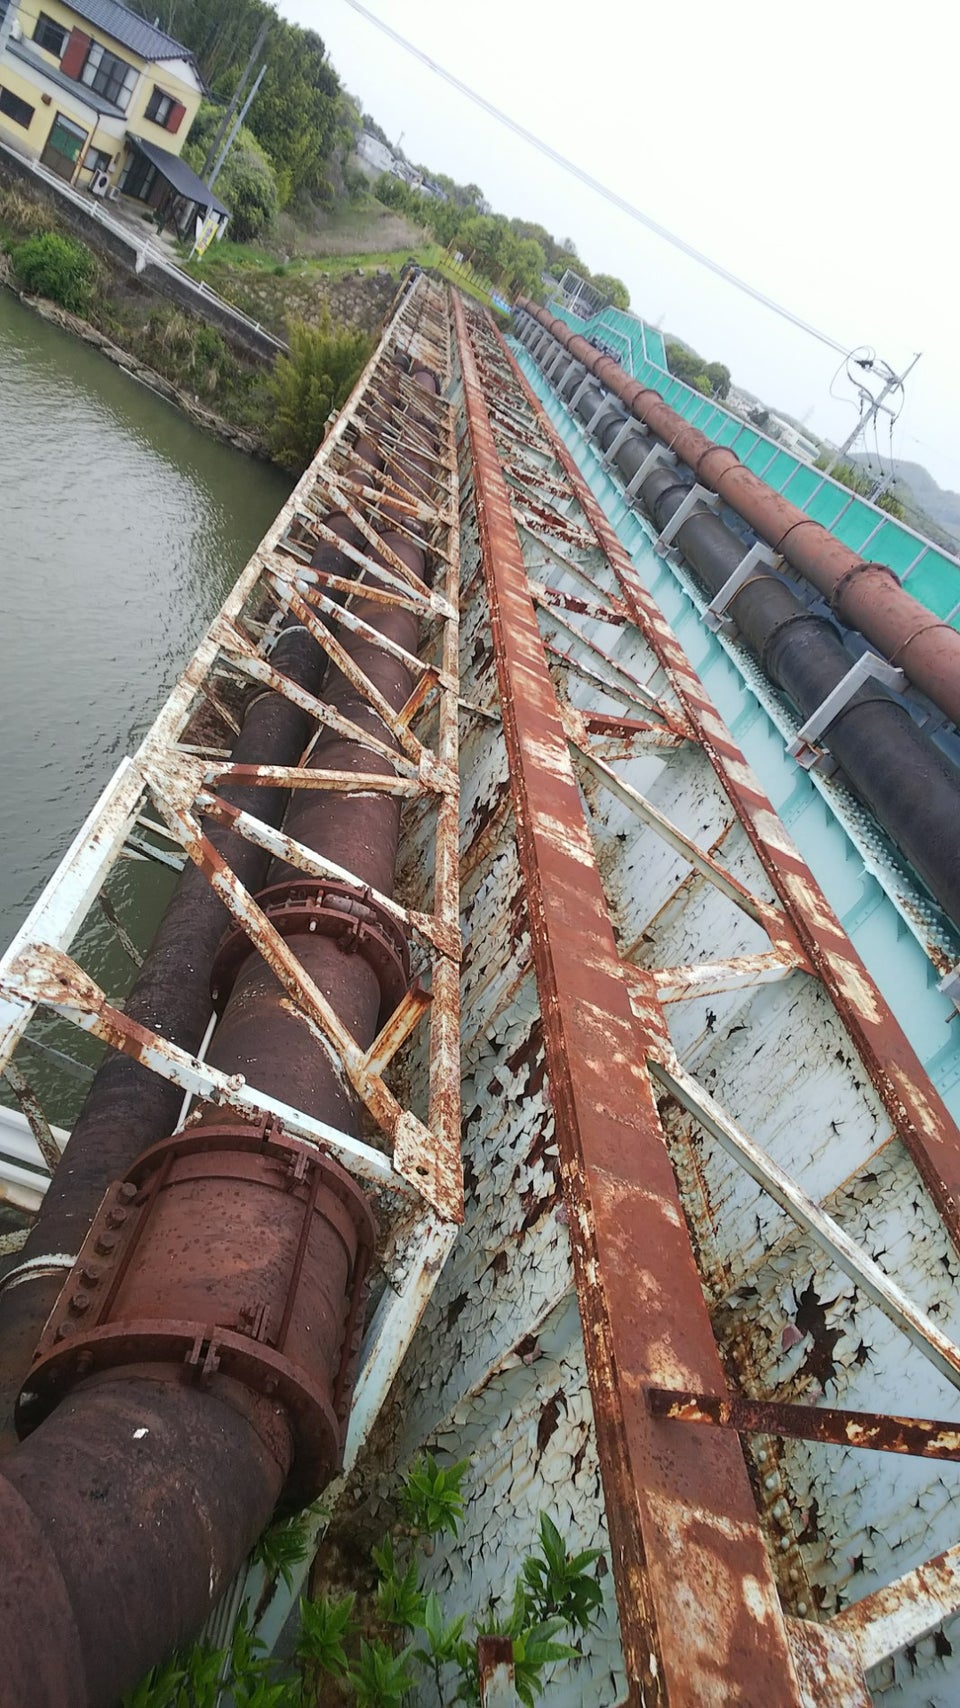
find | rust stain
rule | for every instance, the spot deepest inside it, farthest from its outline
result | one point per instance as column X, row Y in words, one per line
column 688, row 1554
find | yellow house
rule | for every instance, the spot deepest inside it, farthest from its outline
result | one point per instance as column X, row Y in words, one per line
column 102, row 98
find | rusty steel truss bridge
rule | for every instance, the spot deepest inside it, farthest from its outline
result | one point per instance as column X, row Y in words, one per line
column 502, row 1082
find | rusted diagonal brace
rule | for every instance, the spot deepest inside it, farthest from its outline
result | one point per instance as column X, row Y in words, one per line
column 47, row 976
column 700, row 1618
column 922, row 1438
column 553, row 597
column 379, row 595
column 775, row 923
column 335, row 495
column 637, row 689
column 358, row 678
column 417, row 1153
column 246, row 660
column 411, row 592
column 442, row 935
column 612, row 690
column 917, row 1113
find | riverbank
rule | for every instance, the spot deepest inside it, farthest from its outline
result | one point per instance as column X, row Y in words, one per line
column 187, row 355
column 123, row 528
column 241, row 439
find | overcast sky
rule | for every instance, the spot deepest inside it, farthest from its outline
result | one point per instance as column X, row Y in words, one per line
column 811, row 150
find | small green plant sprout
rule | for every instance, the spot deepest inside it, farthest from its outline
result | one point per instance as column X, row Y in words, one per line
column 399, row 1597
column 381, row 1679
column 192, row 1679
column 431, row 1499
column 444, row 1645
column 558, row 1585
column 535, row 1648
column 161, row 1687
column 284, row 1547
column 326, row 1627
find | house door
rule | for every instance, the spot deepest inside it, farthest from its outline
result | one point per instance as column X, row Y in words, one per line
column 140, row 178
column 63, row 147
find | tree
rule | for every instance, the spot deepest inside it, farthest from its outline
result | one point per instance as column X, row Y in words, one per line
column 297, row 115
column 613, row 288
column 317, row 377
column 719, row 376
column 247, row 183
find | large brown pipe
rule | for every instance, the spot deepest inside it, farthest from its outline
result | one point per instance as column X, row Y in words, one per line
column 127, row 1107
column 864, row 596
column 198, row 1360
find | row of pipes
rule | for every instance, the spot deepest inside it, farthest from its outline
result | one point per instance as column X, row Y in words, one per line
column 180, row 1334
column 905, row 779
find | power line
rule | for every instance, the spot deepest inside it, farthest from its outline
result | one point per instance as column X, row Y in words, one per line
column 594, row 184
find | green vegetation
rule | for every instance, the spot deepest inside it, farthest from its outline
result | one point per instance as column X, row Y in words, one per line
column 712, row 378
column 613, row 288
column 369, row 1648
column 316, row 378
column 61, row 268
column 857, row 481
column 301, row 117
column 247, row 183
column 510, row 255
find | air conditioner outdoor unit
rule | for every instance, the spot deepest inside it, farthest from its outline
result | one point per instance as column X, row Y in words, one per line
column 101, row 183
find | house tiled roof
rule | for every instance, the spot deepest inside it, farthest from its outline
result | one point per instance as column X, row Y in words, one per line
column 130, row 29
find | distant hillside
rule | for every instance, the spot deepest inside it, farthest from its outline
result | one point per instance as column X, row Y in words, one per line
column 915, row 486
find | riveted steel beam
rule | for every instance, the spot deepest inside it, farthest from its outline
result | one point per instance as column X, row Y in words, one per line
column 700, row 1617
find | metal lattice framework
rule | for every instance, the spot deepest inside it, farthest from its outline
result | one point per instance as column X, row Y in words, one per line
column 595, row 695
column 159, row 803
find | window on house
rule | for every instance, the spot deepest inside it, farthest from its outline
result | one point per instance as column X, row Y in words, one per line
column 13, row 108
column 111, row 77
column 50, row 35
column 160, row 106
column 95, row 160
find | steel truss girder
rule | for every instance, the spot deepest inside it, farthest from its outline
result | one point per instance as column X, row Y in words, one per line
column 417, row 1172
column 682, row 1523
column 804, row 936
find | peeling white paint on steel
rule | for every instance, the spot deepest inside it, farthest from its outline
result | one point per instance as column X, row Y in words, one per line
column 418, row 1214
column 778, row 1060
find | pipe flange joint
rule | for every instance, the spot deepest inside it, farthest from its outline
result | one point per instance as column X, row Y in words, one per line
column 271, row 1308
column 836, row 597
column 348, row 913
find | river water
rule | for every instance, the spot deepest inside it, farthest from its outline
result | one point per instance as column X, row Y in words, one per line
column 121, row 529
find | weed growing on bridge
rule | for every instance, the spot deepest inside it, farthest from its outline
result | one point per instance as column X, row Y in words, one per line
column 372, row 1656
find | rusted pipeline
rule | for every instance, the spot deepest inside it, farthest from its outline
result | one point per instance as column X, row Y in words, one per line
column 898, row 771
column 197, row 1366
column 127, row 1107
column 864, row 596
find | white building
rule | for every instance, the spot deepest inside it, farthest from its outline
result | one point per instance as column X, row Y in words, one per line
column 374, row 156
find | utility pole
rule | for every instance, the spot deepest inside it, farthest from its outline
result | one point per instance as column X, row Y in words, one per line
column 238, row 121
column 876, row 405
column 234, row 101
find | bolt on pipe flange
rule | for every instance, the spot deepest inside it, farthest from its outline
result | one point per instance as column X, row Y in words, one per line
column 275, row 1304
column 358, row 923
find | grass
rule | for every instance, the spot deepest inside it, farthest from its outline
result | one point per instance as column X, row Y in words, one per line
column 463, row 281
column 226, row 256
